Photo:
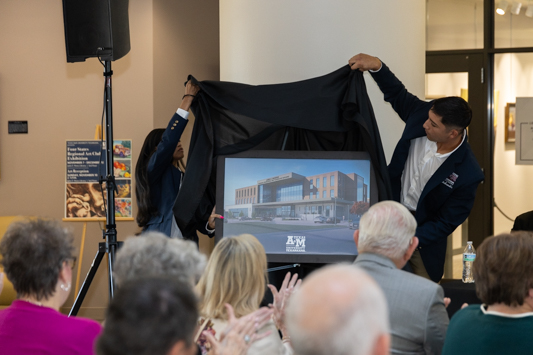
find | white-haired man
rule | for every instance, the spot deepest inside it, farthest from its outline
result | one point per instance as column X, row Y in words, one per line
column 338, row 310
column 417, row 311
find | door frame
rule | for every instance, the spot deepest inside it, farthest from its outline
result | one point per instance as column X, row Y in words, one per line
column 480, row 131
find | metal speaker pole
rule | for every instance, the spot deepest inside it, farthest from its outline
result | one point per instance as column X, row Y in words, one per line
column 110, row 245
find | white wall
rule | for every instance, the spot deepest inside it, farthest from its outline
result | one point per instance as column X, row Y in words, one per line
column 512, row 183
column 454, row 24
column 274, row 41
column 445, row 84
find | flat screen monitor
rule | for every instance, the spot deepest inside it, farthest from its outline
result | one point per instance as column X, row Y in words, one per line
column 303, row 206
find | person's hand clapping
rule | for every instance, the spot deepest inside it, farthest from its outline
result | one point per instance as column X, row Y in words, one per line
column 240, row 333
column 281, row 298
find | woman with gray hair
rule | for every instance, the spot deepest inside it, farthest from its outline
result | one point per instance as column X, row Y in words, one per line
column 154, row 254
column 37, row 256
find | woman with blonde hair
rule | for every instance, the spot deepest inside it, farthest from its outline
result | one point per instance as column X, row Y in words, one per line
column 236, row 274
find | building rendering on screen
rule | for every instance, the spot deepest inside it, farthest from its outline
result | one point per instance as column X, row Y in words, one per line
column 292, row 195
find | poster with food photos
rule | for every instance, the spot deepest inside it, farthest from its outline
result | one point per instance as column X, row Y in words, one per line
column 85, row 167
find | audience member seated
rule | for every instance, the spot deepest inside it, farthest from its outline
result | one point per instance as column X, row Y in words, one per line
column 385, row 241
column 38, row 260
column 523, row 222
column 236, row 274
column 153, row 254
column 157, row 315
column 503, row 324
column 338, row 310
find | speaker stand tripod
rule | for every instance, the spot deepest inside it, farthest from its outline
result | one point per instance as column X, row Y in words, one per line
column 110, row 245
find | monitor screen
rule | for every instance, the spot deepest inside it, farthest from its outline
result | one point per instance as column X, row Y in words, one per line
column 303, row 206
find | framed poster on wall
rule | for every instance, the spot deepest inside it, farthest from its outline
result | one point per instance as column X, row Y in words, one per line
column 510, row 122
column 85, row 196
column 524, row 131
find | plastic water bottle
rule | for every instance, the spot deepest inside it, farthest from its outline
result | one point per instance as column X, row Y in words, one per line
column 469, row 255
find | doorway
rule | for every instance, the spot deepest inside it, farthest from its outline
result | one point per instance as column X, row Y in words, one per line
column 466, row 75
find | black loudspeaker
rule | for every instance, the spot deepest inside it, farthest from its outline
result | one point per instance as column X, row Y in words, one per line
column 96, row 28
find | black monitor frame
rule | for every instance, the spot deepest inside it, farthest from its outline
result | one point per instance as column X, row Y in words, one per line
column 284, row 154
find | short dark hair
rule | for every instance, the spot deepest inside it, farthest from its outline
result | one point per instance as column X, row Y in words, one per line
column 149, row 316
column 503, row 269
column 454, row 110
column 33, row 252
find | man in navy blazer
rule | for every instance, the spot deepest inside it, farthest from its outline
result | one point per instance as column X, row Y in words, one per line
column 433, row 171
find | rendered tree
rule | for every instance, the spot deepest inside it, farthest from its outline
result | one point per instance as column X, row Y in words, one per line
column 358, row 208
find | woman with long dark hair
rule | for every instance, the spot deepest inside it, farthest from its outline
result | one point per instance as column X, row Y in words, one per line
column 159, row 173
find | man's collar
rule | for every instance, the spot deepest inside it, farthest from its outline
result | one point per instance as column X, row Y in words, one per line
column 451, row 152
column 377, row 258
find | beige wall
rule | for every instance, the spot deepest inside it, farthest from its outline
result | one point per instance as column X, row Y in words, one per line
column 63, row 101
column 186, row 41
column 171, row 39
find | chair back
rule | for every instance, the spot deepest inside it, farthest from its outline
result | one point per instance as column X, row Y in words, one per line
column 8, row 294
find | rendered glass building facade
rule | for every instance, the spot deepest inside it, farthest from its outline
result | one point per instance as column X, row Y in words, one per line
column 296, row 196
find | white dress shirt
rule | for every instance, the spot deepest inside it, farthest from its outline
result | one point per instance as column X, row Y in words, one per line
column 175, row 231
column 421, row 164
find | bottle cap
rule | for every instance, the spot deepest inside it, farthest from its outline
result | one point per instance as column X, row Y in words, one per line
column 468, row 242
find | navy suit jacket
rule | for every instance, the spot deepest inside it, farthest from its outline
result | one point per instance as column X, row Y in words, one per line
column 448, row 197
column 165, row 179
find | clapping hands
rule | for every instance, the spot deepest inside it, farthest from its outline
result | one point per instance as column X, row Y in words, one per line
column 240, row 332
column 281, row 298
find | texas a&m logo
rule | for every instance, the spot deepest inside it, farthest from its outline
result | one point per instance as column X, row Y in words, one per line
column 295, row 243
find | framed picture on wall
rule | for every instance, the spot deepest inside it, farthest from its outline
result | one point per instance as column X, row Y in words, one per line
column 510, row 122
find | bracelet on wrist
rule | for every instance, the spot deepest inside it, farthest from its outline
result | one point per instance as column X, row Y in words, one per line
column 188, row 95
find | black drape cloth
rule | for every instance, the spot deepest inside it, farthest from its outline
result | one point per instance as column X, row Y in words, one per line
column 328, row 113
